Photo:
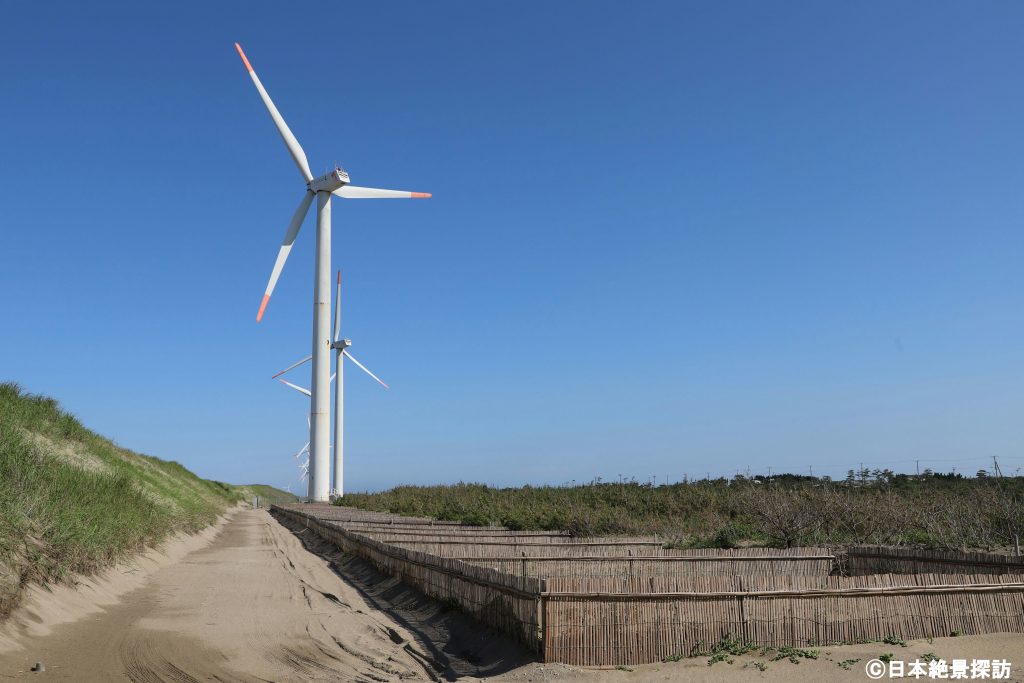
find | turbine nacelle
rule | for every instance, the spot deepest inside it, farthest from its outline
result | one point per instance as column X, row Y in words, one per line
column 341, row 344
column 329, row 182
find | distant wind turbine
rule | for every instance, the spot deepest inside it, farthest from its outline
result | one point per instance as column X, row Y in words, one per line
column 340, row 347
column 335, row 183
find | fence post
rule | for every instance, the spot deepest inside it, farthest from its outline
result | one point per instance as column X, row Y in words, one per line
column 745, row 635
column 542, row 620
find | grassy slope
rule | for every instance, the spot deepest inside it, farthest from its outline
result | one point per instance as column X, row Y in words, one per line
column 72, row 501
column 267, row 494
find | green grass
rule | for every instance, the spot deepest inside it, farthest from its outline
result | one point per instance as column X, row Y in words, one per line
column 879, row 507
column 267, row 494
column 72, row 501
column 730, row 646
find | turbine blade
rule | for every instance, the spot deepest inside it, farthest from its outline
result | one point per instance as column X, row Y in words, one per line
column 286, row 248
column 304, row 449
column 294, row 148
column 364, row 369
column 296, row 387
column 293, row 366
column 337, row 308
column 354, row 192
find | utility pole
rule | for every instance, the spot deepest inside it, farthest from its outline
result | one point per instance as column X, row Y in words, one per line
column 995, row 467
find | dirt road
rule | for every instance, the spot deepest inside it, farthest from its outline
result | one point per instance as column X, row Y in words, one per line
column 252, row 605
column 256, row 601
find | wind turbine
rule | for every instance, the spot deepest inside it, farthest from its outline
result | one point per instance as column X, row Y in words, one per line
column 335, row 183
column 340, row 347
column 305, row 449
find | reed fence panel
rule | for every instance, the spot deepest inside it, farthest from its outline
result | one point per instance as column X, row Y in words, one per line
column 585, row 625
column 487, row 548
column 656, row 566
column 614, row 610
column 863, row 560
column 506, row 602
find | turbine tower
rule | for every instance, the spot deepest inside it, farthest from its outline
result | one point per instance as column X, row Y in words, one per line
column 335, row 183
column 341, row 347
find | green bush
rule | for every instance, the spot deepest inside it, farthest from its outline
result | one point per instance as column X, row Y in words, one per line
column 941, row 511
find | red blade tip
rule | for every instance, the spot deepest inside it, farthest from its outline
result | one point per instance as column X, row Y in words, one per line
column 242, row 55
column 263, row 307
column 421, row 195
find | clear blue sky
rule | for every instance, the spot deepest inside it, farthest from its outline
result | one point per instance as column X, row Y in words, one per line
column 665, row 239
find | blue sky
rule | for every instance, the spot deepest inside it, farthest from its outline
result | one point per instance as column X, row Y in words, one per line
column 666, row 238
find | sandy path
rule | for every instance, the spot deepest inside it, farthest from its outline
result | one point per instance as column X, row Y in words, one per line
column 257, row 602
column 252, row 605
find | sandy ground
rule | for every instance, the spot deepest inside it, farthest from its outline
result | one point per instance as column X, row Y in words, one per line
column 826, row 668
column 250, row 605
column 252, row 601
column 43, row 609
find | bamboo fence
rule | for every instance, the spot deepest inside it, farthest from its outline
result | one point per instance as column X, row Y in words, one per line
column 385, row 534
column 620, row 610
column 599, row 566
column 508, row 603
column 491, row 548
column 863, row 560
column 608, row 622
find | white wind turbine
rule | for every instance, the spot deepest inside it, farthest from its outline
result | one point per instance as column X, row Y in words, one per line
column 335, row 183
column 340, row 347
column 303, row 467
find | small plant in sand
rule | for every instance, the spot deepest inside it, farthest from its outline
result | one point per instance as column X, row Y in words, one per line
column 794, row 654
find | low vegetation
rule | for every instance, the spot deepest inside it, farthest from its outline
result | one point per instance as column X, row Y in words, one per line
column 267, row 494
column 874, row 507
column 72, row 501
column 730, row 646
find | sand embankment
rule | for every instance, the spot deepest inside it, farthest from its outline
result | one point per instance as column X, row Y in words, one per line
column 44, row 608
